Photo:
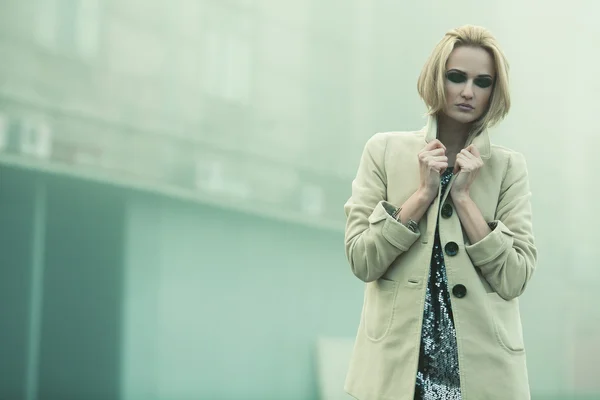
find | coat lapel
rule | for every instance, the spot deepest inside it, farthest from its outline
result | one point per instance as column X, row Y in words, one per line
column 481, row 141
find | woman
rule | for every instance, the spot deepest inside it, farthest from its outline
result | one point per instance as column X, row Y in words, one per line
column 439, row 227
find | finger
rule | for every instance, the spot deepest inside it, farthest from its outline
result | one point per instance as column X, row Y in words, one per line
column 463, row 159
column 437, row 159
column 466, row 159
column 456, row 169
column 440, row 167
column 438, row 143
column 457, row 165
column 434, row 144
column 436, row 152
column 434, row 165
column 474, row 150
column 467, row 154
column 470, row 161
column 464, row 163
column 426, row 155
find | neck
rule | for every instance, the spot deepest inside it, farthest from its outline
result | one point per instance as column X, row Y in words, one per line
column 451, row 133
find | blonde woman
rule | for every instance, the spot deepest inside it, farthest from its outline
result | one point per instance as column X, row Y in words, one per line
column 439, row 227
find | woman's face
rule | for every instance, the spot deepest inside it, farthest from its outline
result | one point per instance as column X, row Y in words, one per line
column 469, row 83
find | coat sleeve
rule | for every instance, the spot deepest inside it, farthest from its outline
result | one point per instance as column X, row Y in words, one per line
column 373, row 238
column 507, row 256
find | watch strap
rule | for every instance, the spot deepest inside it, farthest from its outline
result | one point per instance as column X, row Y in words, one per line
column 410, row 224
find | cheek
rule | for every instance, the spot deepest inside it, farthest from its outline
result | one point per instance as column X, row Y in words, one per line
column 452, row 91
column 485, row 96
column 483, row 102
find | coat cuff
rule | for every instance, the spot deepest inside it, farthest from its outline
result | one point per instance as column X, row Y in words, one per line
column 393, row 231
column 491, row 246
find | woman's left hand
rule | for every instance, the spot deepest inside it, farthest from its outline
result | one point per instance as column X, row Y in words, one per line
column 467, row 164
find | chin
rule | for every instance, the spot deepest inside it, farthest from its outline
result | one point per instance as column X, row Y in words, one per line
column 463, row 118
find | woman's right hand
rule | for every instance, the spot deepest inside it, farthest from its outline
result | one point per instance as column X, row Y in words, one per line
column 432, row 163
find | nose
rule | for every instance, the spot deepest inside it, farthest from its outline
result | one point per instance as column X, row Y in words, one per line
column 467, row 91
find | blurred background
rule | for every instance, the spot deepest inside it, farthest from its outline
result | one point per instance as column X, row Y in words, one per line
column 172, row 176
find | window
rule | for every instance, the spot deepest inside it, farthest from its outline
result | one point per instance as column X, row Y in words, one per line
column 69, row 26
column 227, row 67
column 227, row 56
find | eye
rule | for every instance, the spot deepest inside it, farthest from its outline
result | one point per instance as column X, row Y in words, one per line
column 483, row 82
column 456, row 77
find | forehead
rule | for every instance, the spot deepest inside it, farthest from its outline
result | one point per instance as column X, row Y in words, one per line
column 472, row 60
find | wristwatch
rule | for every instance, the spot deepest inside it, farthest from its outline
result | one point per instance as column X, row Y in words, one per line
column 410, row 224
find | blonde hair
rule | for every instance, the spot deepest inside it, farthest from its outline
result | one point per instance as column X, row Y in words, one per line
column 431, row 81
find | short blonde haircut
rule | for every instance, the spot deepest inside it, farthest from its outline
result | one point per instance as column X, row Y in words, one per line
column 431, row 81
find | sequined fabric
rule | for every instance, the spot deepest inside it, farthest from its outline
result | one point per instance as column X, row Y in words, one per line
column 438, row 376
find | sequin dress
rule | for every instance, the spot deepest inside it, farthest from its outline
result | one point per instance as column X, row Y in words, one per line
column 438, row 376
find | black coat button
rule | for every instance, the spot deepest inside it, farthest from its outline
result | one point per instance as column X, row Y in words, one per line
column 459, row 291
column 451, row 249
column 447, row 211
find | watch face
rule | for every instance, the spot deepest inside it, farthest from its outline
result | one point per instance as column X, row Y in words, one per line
column 412, row 225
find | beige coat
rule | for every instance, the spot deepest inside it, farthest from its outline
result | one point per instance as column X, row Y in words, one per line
column 394, row 263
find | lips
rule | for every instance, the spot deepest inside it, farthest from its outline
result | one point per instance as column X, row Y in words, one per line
column 465, row 106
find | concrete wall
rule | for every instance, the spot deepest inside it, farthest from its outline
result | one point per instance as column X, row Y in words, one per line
column 145, row 297
column 61, row 268
column 224, row 305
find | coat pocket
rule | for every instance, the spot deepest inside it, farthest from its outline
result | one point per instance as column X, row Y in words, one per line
column 507, row 323
column 379, row 308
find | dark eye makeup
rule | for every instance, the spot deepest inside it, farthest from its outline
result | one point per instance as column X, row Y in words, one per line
column 455, row 76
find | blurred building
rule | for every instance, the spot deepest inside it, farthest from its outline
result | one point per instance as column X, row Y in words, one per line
column 131, row 133
column 231, row 101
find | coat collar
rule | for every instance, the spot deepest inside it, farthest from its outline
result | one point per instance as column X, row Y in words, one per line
column 481, row 141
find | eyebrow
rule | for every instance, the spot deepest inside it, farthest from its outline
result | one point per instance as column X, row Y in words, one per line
column 464, row 73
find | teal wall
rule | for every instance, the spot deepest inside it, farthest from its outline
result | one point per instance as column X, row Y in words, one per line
column 61, row 265
column 80, row 349
column 16, row 231
column 136, row 296
column 221, row 305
